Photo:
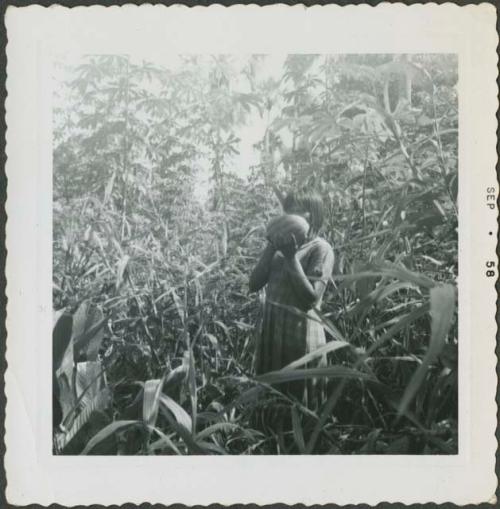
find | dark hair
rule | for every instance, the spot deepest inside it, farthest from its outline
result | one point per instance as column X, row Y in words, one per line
column 309, row 201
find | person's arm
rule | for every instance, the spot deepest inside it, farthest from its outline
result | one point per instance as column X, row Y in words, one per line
column 309, row 292
column 260, row 274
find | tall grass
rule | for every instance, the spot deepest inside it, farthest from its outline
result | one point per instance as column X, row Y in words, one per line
column 169, row 274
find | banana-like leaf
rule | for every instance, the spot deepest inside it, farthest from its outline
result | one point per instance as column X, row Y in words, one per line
column 63, row 366
column 88, row 333
column 443, row 303
column 61, row 336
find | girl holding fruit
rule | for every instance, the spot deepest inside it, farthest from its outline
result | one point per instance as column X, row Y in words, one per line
column 295, row 267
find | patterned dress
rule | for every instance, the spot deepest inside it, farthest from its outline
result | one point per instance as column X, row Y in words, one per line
column 286, row 335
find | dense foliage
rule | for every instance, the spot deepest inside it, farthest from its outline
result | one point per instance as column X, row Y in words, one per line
column 167, row 259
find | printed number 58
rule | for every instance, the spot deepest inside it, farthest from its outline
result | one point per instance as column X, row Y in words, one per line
column 490, row 265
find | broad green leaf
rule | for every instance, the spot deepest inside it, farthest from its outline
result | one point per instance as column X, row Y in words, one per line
column 61, row 337
column 88, row 333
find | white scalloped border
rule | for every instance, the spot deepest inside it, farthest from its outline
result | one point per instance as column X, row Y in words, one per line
column 31, row 476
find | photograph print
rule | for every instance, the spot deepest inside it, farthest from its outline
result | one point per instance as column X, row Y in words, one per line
column 255, row 254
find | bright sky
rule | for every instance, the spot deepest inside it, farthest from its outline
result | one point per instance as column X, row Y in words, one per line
column 250, row 133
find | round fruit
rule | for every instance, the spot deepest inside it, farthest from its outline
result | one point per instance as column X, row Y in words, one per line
column 280, row 229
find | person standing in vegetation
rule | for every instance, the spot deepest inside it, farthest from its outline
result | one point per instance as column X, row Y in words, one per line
column 295, row 275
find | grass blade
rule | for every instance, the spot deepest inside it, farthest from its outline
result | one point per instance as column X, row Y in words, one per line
column 331, row 346
column 283, row 376
column 151, row 401
column 297, row 431
column 106, row 432
column 214, row 428
column 192, row 388
column 180, row 415
column 442, row 311
column 335, row 396
column 211, row 448
column 163, row 441
column 182, row 428
column 316, row 316
column 121, row 267
column 393, row 270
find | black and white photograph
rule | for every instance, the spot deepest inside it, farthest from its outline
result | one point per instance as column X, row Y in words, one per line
column 251, row 254
column 255, row 254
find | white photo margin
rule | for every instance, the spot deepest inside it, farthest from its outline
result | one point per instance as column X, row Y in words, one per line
column 35, row 34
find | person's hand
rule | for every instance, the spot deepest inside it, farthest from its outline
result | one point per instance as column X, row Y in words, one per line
column 270, row 246
column 289, row 246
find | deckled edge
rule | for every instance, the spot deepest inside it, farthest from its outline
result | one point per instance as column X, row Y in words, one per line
column 74, row 4
column 3, row 248
column 3, row 221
